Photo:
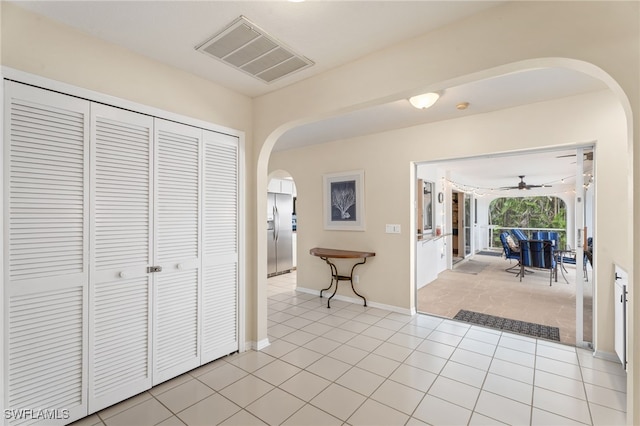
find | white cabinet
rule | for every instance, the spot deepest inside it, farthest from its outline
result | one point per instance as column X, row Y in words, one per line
column 274, row 185
column 281, row 186
column 121, row 263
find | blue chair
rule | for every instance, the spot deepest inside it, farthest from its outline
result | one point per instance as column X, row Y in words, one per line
column 520, row 236
column 538, row 254
column 571, row 260
column 508, row 252
column 546, row 235
column 550, row 236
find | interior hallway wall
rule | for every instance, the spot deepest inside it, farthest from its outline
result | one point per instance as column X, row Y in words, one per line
column 72, row 57
column 600, row 38
column 387, row 159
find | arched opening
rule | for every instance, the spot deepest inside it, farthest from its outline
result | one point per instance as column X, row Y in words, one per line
column 529, row 212
column 281, row 227
column 405, row 298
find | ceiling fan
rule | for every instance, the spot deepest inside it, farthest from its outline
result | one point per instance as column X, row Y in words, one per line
column 523, row 185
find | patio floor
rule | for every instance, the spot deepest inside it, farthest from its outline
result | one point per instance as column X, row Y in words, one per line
column 481, row 284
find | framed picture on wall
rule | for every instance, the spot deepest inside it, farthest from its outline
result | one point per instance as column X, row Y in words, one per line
column 343, row 201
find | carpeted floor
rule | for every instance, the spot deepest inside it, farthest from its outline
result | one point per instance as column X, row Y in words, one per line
column 495, row 292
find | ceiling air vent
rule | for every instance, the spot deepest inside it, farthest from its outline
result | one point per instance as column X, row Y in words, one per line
column 247, row 47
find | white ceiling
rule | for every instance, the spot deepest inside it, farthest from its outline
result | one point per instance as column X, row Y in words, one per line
column 490, row 176
column 483, row 96
column 330, row 33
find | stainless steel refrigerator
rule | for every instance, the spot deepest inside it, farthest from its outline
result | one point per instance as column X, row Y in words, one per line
column 279, row 233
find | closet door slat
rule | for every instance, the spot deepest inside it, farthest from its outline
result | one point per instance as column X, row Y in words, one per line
column 220, row 246
column 177, row 249
column 46, row 154
column 30, row 207
column 121, row 266
column 121, row 224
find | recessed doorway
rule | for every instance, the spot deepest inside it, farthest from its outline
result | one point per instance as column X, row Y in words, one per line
column 472, row 272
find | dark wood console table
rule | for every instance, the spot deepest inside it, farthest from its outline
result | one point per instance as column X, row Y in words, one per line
column 327, row 254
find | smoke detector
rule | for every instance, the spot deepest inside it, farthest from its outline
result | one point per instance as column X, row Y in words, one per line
column 245, row 46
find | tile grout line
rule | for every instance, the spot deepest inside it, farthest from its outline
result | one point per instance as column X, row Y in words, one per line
column 475, row 405
column 370, row 352
column 533, row 385
column 584, row 387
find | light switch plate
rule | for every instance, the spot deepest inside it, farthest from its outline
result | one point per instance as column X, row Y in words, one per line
column 392, row 229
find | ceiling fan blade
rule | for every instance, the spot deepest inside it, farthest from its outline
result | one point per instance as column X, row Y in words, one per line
column 523, row 185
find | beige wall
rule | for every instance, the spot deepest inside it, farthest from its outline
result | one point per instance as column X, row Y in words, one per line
column 40, row 46
column 387, row 160
column 601, row 39
column 44, row 48
column 501, row 39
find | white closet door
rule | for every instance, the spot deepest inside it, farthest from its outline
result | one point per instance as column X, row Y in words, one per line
column 120, row 290
column 177, row 228
column 220, row 241
column 46, row 263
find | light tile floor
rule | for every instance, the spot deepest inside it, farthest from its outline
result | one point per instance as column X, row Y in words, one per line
column 351, row 365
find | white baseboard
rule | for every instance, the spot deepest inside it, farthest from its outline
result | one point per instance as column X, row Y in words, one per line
column 257, row 346
column 357, row 300
column 607, row 356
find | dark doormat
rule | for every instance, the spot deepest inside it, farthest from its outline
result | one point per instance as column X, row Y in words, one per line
column 490, row 253
column 514, row 326
column 471, row 266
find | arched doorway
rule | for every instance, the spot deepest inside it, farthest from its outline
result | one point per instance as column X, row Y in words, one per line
column 409, row 296
column 281, row 224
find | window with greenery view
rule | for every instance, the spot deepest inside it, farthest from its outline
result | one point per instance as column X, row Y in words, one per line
column 528, row 212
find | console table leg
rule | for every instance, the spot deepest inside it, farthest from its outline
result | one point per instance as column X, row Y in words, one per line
column 330, row 285
column 351, row 281
column 334, row 275
column 335, row 290
column 337, row 278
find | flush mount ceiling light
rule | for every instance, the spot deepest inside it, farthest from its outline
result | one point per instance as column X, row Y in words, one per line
column 424, row 101
column 247, row 47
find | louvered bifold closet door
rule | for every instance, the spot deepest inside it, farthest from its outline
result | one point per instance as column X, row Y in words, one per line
column 46, row 260
column 177, row 248
column 120, row 287
column 220, row 246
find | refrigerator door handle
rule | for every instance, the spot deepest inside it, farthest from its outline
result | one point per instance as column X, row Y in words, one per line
column 276, row 223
